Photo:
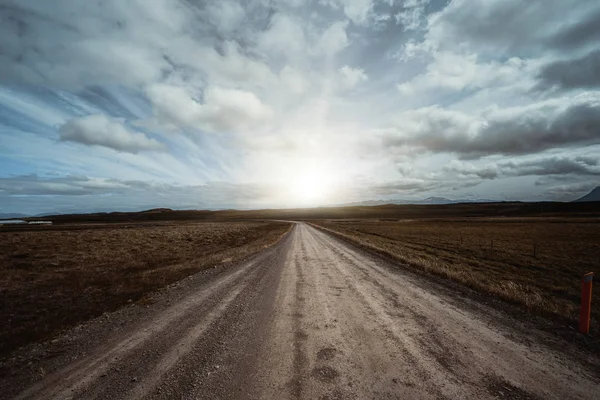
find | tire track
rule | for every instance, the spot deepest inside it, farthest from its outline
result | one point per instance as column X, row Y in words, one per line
column 79, row 375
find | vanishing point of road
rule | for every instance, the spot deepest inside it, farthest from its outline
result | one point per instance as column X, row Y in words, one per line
column 314, row 318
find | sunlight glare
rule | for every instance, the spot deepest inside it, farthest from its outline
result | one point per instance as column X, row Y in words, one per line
column 307, row 187
column 310, row 186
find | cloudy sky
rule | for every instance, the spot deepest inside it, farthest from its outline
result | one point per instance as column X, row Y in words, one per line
column 136, row 104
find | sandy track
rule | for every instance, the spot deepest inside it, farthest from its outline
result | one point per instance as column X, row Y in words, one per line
column 316, row 318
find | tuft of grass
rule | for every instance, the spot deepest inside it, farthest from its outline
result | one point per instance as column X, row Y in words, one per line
column 52, row 279
column 536, row 263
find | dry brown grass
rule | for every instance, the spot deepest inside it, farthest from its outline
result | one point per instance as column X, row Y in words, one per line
column 53, row 278
column 495, row 255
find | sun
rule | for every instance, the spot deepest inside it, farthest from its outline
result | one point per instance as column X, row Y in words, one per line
column 308, row 187
column 309, row 181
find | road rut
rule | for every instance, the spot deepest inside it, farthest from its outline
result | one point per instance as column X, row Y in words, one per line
column 315, row 318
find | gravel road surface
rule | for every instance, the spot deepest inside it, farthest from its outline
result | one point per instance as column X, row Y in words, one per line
column 310, row 318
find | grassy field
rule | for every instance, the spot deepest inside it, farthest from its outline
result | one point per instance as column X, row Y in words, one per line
column 533, row 262
column 53, row 277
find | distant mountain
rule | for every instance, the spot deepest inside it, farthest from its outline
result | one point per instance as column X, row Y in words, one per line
column 478, row 201
column 12, row 215
column 363, row 203
column 435, row 200
column 156, row 210
column 594, row 195
column 429, row 200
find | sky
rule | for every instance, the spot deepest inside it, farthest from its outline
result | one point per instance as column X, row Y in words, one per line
column 128, row 105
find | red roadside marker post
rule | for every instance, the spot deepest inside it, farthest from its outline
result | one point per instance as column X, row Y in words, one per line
column 586, row 302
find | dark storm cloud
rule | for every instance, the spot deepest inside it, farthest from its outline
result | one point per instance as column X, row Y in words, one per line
column 578, row 33
column 581, row 166
column 515, row 27
column 485, row 172
column 512, row 132
column 578, row 124
column 581, row 73
column 391, row 188
column 587, row 166
column 419, row 186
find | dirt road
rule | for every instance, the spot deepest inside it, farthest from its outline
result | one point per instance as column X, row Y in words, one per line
column 311, row 318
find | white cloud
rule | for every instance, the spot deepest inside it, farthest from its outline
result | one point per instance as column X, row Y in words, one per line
column 284, row 38
column 352, row 76
column 225, row 15
column 223, row 110
column 293, row 80
column 455, row 72
column 356, row 10
column 412, row 15
column 333, row 39
column 233, row 67
column 300, row 43
column 108, row 132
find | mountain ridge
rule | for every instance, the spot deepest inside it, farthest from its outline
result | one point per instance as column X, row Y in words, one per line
column 594, row 195
column 13, row 215
column 429, row 200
